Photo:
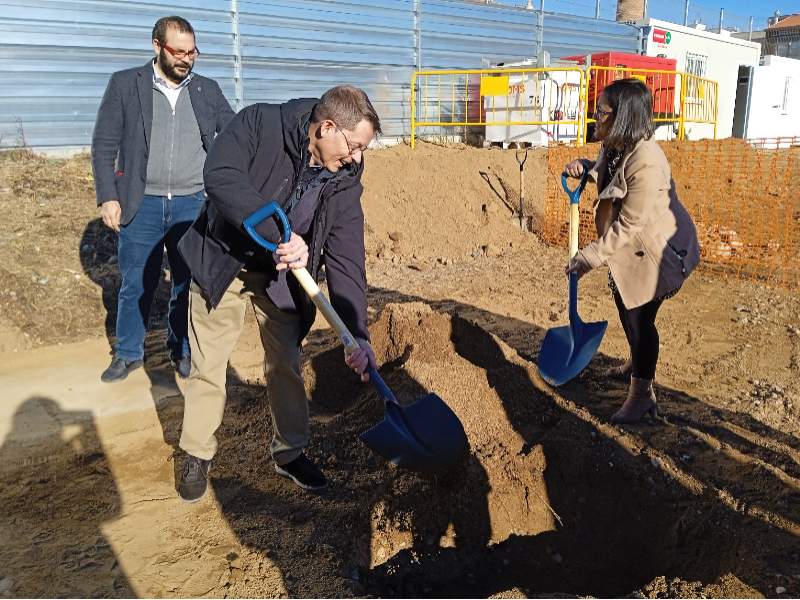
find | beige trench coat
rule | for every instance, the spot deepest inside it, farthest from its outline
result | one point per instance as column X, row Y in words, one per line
column 642, row 227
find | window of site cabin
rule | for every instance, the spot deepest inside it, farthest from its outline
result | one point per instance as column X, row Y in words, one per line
column 695, row 65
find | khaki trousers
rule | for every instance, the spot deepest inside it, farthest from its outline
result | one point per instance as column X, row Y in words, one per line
column 212, row 337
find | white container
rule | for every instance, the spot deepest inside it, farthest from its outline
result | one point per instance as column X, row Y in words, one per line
column 536, row 96
column 768, row 100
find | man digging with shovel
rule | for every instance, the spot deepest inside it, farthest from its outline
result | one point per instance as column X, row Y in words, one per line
column 306, row 155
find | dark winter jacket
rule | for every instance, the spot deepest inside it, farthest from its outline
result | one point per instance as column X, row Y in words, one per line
column 257, row 159
column 122, row 132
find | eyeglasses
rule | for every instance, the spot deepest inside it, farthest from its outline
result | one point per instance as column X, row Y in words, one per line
column 181, row 54
column 599, row 112
column 351, row 149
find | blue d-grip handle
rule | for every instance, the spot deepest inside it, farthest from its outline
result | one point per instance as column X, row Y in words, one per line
column 379, row 385
column 575, row 195
column 262, row 214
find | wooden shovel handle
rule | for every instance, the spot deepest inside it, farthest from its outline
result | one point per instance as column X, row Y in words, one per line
column 324, row 306
column 350, row 343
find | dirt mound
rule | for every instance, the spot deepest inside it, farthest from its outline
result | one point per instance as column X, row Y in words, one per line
column 432, row 349
column 487, row 526
column 438, row 203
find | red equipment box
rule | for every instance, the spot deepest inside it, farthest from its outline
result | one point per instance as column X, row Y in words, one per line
column 625, row 66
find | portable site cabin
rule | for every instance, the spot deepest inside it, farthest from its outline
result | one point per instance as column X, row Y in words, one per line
column 768, row 99
column 704, row 54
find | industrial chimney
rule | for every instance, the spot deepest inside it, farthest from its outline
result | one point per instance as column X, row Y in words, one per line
column 630, row 10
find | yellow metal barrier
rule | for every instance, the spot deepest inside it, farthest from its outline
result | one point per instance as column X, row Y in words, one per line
column 699, row 102
column 522, row 103
column 556, row 104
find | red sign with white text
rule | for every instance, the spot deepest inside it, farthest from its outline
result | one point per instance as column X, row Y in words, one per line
column 659, row 36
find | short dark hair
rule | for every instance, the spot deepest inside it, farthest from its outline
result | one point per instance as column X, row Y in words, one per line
column 346, row 106
column 632, row 103
column 161, row 26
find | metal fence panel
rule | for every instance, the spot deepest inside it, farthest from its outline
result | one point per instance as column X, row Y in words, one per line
column 456, row 35
column 301, row 49
column 568, row 35
column 56, row 57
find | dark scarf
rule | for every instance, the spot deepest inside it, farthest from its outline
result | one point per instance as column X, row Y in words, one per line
column 613, row 158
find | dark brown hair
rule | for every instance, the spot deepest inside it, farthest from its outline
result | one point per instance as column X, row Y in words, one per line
column 632, row 103
column 346, row 106
column 161, row 26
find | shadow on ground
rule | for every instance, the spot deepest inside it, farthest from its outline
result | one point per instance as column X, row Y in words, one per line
column 57, row 490
column 98, row 252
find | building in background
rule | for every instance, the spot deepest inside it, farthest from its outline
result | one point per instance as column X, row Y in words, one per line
column 783, row 37
column 703, row 54
column 755, row 36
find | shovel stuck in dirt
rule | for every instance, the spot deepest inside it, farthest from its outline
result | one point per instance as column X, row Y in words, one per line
column 522, row 218
column 427, row 434
column 567, row 350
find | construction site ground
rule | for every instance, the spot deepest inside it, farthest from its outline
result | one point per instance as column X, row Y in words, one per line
column 550, row 500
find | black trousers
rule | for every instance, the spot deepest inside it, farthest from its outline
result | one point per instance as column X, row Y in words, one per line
column 640, row 328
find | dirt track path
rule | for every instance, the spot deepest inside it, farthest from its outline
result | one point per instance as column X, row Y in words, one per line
column 95, row 456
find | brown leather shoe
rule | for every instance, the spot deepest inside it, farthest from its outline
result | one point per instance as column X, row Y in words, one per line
column 641, row 400
column 622, row 372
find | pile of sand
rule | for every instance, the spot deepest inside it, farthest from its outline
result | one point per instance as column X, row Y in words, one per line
column 443, row 203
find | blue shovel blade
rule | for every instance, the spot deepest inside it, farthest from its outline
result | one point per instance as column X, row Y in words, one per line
column 426, row 435
column 566, row 351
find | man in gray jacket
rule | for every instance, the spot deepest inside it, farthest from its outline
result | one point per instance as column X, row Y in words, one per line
column 154, row 127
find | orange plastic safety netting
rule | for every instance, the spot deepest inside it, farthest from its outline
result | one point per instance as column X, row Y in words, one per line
column 744, row 200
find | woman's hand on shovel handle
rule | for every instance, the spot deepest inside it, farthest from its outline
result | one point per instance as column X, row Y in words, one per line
column 360, row 357
column 574, row 169
column 576, row 268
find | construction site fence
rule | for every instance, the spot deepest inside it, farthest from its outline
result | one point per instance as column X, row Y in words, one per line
column 743, row 199
column 774, row 142
column 540, row 105
column 547, row 106
column 678, row 98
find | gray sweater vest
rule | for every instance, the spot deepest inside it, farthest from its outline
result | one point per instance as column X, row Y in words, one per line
column 175, row 165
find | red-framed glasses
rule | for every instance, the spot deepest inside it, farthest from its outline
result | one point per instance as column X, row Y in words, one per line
column 181, row 54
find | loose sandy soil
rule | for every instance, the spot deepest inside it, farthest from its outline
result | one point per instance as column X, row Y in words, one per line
column 550, row 500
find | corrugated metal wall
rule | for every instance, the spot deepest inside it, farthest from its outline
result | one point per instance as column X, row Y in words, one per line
column 56, row 56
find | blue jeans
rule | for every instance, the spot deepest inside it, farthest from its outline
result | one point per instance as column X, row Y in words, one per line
column 159, row 222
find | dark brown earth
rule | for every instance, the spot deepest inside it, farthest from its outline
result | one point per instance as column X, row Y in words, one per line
column 550, row 499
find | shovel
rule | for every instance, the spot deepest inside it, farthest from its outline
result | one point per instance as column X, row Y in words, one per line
column 524, row 154
column 426, row 435
column 567, row 350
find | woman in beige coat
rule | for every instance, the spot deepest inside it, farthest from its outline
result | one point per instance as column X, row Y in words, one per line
column 645, row 235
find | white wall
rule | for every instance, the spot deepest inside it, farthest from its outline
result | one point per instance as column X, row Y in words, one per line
column 724, row 53
column 766, row 116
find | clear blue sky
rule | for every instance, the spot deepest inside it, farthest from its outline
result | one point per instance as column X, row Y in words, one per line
column 737, row 12
column 756, row 8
